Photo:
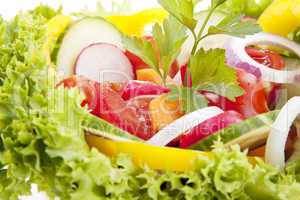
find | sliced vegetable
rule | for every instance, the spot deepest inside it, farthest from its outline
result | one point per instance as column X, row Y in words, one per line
column 279, row 133
column 82, row 34
column 252, row 102
column 249, row 133
column 138, row 88
column 183, row 124
column 208, row 127
column 159, row 158
column 135, row 24
column 281, row 17
column 238, row 57
column 112, row 108
column 266, row 57
column 164, row 111
column 55, row 28
column 96, row 126
column 103, row 62
column 148, row 75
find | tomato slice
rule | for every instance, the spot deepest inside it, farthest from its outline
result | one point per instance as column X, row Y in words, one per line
column 138, row 88
column 127, row 116
column 266, row 57
column 252, row 102
column 209, row 127
column 105, row 102
column 86, row 86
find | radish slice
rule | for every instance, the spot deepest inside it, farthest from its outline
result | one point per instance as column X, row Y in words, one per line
column 183, row 124
column 238, row 57
column 104, row 62
column 80, row 35
column 279, row 133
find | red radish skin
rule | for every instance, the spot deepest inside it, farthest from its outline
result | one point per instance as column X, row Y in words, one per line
column 138, row 88
column 209, row 127
column 102, row 62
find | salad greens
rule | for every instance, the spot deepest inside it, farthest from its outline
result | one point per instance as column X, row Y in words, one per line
column 42, row 140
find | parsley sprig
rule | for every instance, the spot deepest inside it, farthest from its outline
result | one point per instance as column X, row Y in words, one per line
column 168, row 37
column 208, row 69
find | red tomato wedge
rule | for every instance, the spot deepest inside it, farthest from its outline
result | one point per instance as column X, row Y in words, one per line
column 106, row 103
column 138, row 88
column 252, row 102
column 267, row 57
column 209, row 127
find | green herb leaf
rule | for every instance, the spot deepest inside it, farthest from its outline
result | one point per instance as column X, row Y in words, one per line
column 233, row 25
column 143, row 49
column 211, row 73
column 169, row 38
column 216, row 3
column 183, row 10
column 230, row 91
column 191, row 99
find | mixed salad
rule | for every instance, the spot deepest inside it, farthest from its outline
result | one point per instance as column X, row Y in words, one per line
column 177, row 102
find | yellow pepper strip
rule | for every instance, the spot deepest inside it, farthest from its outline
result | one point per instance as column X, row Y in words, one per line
column 159, row 158
column 55, row 27
column 281, row 17
column 134, row 25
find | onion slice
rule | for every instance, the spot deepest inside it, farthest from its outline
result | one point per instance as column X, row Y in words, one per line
column 183, row 124
column 279, row 133
column 238, row 57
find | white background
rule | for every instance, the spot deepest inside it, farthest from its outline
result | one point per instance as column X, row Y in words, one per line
column 9, row 8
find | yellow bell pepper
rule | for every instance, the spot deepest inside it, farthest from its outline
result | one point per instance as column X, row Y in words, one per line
column 134, row 25
column 281, row 17
column 55, row 27
column 160, row 158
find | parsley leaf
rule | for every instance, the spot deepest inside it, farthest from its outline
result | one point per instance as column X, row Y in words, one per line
column 211, row 73
column 191, row 100
column 143, row 49
column 233, row 25
column 168, row 38
column 183, row 10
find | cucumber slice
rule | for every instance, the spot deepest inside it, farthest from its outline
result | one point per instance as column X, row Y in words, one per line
column 96, row 126
column 248, row 134
column 83, row 33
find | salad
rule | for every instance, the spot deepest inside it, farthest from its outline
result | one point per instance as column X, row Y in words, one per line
column 177, row 102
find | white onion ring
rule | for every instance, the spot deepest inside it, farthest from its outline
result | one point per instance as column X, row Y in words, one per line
column 279, row 133
column 238, row 57
column 183, row 124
